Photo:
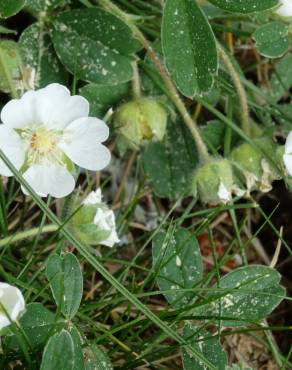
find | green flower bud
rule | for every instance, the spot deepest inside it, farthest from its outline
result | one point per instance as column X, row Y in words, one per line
column 140, row 121
column 214, row 182
column 257, row 171
column 94, row 222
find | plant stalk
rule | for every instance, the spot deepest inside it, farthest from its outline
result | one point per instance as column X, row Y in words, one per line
column 27, row 234
column 245, row 121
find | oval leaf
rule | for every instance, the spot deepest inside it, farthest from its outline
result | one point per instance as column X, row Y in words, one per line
column 170, row 164
column 94, row 45
column 209, row 347
column 189, row 47
column 177, row 263
column 96, row 359
column 272, row 39
column 78, row 354
column 37, row 323
column 39, row 58
column 66, row 282
column 58, row 353
column 10, row 66
column 102, row 98
column 8, row 8
column 36, row 6
column 254, row 293
column 245, row 6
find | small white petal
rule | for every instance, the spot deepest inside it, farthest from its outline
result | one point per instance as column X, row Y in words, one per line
column 13, row 302
column 81, row 143
column 49, row 180
column 13, row 147
column 105, row 220
column 288, row 144
column 287, row 158
column 285, row 10
column 223, row 193
column 93, row 198
column 56, row 108
column 19, row 113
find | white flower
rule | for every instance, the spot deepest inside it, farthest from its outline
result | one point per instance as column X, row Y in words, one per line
column 287, row 157
column 285, row 9
column 104, row 218
column 11, row 304
column 44, row 132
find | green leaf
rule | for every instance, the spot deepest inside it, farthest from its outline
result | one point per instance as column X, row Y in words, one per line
column 8, row 8
column 96, row 359
column 39, row 57
column 189, row 47
column 66, row 282
column 10, row 66
column 78, row 353
column 213, row 133
column 272, row 39
column 37, row 6
column 37, row 323
column 281, row 79
column 102, row 98
column 209, row 347
column 284, row 119
column 59, row 352
column 254, row 292
column 177, row 263
column 94, row 45
column 170, row 164
column 245, row 6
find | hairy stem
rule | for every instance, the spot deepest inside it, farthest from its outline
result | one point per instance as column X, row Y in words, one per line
column 202, row 148
column 245, row 122
column 136, row 86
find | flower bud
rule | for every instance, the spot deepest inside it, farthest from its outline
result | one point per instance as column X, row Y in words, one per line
column 94, row 222
column 214, row 182
column 140, row 121
column 12, row 304
column 257, row 171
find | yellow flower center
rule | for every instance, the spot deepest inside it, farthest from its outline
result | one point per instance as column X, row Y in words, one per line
column 43, row 141
column 42, row 144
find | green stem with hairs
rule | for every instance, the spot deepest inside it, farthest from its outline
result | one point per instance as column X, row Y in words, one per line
column 245, row 119
column 201, row 146
column 27, row 234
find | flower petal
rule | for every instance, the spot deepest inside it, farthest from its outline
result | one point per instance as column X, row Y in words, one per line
column 93, row 198
column 13, row 301
column 19, row 113
column 285, row 10
column 56, row 108
column 49, row 180
column 52, row 106
column 13, row 147
column 105, row 220
column 82, row 143
column 287, row 158
column 288, row 144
